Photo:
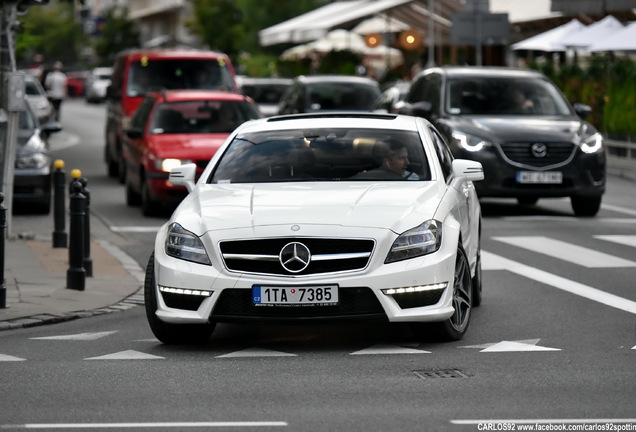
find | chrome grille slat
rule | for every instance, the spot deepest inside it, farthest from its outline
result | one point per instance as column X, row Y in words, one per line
column 520, row 154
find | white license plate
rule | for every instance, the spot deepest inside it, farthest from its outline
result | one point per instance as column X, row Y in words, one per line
column 320, row 295
column 537, row 177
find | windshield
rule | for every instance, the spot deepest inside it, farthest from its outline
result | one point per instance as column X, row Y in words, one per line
column 178, row 74
column 342, row 96
column 323, row 155
column 264, row 93
column 504, row 96
column 201, row 116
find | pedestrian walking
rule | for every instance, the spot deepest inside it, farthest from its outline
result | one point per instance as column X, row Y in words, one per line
column 55, row 83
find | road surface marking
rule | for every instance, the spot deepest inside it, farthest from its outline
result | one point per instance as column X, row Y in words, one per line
column 388, row 349
column 567, row 251
column 495, row 262
column 126, row 355
column 257, row 352
column 78, row 336
column 627, row 240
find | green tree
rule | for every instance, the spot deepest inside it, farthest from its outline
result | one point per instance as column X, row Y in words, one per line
column 52, row 31
column 118, row 33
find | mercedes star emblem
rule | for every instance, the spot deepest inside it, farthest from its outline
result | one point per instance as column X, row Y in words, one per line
column 294, row 257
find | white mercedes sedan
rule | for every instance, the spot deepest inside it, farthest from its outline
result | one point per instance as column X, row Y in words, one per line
column 324, row 216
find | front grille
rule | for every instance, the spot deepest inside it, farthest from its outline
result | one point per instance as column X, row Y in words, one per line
column 328, row 255
column 556, row 153
column 181, row 301
column 353, row 302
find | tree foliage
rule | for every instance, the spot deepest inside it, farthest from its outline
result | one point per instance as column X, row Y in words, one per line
column 117, row 34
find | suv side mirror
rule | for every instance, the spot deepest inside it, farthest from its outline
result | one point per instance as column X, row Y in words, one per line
column 422, row 109
column 582, row 110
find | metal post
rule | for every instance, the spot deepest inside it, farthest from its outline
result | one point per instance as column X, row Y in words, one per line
column 60, row 238
column 3, row 225
column 76, row 275
column 88, row 262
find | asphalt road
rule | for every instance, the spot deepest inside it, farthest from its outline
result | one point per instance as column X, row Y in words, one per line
column 553, row 344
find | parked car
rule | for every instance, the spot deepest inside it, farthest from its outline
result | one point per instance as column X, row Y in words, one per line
column 137, row 71
column 266, row 92
column 76, row 82
column 96, row 83
column 329, row 93
column 388, row 100
column 531, row 142
column 32, row 175
column 37, row 99
column 314, row 217
column 174, row 127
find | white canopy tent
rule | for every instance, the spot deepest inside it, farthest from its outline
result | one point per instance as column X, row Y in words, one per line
column 622, row 40
column 550, row 41
column 595, row 32
column 380, row 24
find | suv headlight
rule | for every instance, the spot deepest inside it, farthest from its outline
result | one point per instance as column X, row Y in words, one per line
column 418, row 241
column 469, row 142
column 182, row 244
column 592, row 144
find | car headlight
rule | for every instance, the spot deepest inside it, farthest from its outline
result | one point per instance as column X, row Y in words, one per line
column 31, row 161
column 469, row 142
column 166, row 165
column 592, row 144
column 182, row 244
column 418, row 241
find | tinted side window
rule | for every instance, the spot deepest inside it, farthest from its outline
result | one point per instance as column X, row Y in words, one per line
column 426, row 88
column 140, row 118
column 443, row 153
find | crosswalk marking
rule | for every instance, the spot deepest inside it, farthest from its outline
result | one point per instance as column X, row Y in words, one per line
column 495, row 262
column 627, row 240
column 567, row 251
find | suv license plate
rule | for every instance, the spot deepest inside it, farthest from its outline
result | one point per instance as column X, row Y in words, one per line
column 322, row 295
column 538, row 177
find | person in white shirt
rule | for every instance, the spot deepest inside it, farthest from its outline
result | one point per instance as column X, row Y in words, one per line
column 55, row 84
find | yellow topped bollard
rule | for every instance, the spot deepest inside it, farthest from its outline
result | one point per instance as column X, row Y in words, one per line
column 60, row 239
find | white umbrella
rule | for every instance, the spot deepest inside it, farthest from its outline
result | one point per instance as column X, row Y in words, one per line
column 550, row 41
column 622, row 40
column 380, row 24
column 593, row 33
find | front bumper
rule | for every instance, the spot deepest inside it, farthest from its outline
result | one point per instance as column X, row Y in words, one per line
column 31, row 186
column 360, row 292
column 583, row 175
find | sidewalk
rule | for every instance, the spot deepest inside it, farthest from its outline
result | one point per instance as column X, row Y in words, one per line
column 35, row 275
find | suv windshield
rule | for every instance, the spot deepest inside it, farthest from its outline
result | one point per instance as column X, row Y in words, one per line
column 504, row 96
column 341, row 96
column 323, row 155
column 178, row 74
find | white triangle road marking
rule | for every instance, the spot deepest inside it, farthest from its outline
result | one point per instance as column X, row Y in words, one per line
column 126, row 355
column 567, row 251
column 8, row 358
column 509, row 346
column 627, row 240
column 388, row 349
column 634, row 347
column 78, row 336
column 257, row 352
column 488, row 345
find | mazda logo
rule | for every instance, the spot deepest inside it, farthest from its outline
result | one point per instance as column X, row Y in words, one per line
column 294, row 257
column 539, row 150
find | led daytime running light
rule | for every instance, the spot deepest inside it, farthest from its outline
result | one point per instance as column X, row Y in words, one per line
column 393, row 291
column 185, row 291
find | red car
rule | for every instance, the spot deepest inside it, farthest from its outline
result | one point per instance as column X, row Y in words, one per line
column 173, row 127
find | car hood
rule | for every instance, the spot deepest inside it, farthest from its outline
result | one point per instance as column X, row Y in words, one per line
column 523, row 129
column 185, row 146
column 399, row 206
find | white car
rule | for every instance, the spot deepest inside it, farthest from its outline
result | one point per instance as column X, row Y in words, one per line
column 96, row 83
column 38, row 100
column 314, row 217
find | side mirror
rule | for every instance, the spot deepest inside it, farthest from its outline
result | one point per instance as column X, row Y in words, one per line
column 134, row 133
column 422, row 109
column 582, row 110
column 112, row 93
column 183, row 175
column 469, row 169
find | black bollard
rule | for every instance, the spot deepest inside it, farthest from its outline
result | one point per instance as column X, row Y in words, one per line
column 88, row 262
column 60, row 238
column 3, row 226
column 76, row 275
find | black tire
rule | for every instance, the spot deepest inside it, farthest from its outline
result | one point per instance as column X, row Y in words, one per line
column 527, row 201
column 586, row 206
column 133, row 198
column 476, row 281
column 456, row 326
column 149, row 206
column 171, row 334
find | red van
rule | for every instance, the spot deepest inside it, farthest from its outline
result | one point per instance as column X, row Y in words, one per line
column 137, row 71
